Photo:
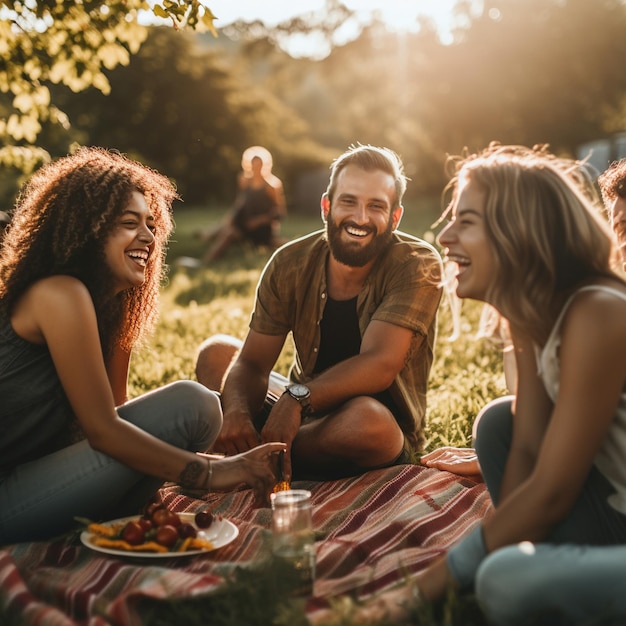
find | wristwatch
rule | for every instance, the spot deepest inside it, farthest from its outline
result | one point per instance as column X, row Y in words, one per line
column 302, row 394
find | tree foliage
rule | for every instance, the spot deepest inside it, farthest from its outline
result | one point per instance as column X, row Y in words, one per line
column 181, row 109
column 44, row 42
column 518, row 71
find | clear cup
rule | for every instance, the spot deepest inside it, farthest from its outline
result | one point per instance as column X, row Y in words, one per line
column 293, row 541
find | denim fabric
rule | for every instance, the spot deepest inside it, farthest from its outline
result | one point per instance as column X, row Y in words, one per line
column 577, row 575
column 551, row 585
column 592, row 519
column 464, row 558
column 40, row 499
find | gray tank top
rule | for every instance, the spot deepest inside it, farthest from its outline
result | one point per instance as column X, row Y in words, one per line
column 35, row 414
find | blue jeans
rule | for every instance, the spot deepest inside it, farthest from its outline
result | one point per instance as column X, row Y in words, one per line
column 578, row 575
column 41, row 498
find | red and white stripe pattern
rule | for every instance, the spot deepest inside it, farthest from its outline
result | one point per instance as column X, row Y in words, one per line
column 373, row 530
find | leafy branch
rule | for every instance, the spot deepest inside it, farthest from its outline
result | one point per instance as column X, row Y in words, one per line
column 44, row 42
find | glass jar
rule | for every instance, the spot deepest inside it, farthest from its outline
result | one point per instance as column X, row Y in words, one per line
column 293, row 541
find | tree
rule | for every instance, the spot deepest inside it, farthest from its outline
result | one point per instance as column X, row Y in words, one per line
column 530, row 71
column 44, row 42
column 183, row 109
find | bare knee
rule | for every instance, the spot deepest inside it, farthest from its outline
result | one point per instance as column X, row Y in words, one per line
column 213, row 359
column 375, row 437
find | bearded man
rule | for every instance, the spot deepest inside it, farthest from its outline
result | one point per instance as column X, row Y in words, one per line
column 360, row 299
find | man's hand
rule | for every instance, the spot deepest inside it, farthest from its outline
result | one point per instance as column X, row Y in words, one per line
column 238, row 435
column 283, row 424
column 254, row 468
column 461, row 461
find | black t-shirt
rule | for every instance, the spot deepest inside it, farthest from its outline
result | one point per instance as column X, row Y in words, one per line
column 341, row 339
column 340, row 336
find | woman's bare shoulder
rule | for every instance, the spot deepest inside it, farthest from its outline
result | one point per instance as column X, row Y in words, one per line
column 597, row 315
column 58, row 286
column 48, row 298
column 605, row 295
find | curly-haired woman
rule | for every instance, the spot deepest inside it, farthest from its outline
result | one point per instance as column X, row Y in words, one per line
column 80, row 271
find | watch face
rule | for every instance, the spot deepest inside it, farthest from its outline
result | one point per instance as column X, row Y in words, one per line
column 299, row 391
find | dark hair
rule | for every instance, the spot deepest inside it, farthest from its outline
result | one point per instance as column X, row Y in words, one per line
column 370, row 158
column 62, row 219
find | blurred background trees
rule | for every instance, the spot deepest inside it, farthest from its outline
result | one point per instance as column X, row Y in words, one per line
column 188, row 103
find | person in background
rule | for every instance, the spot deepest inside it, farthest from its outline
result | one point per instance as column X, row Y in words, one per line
column 258, row 210
column 80, row 271
column 360, row 298
column 527, row 240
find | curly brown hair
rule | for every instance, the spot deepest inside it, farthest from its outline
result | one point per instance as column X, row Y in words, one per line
column 62, row 219
column 613, row 181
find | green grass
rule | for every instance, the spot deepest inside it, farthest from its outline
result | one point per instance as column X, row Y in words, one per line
column 466, row 374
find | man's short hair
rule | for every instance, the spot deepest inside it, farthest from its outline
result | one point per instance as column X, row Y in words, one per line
column 370, row 158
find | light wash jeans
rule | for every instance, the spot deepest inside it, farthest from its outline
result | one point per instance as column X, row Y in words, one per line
column 40, row 499
column 578, row 576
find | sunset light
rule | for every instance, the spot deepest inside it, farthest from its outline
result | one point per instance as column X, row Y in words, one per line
column 399, row 15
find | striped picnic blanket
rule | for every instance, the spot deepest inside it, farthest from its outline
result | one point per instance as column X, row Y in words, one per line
column 372, row 529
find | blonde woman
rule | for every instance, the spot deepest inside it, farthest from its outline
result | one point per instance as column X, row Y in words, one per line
column 527, row 240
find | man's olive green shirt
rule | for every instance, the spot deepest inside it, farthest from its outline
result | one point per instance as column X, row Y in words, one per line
column 403, row 288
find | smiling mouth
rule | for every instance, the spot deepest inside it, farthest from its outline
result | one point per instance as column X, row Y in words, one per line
column 461, row 262
column 355, row 231
column 141, row 258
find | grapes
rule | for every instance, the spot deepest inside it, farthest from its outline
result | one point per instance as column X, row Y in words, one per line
column 161, row 517
column 133, row 533
column 166, row 535
column 174, row 519
column 186, row 530
column 151, row 508
column 204, row 519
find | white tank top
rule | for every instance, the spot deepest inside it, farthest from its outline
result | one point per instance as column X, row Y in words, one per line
column 611, row 458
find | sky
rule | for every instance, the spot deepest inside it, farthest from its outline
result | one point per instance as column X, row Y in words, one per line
column 397, row 14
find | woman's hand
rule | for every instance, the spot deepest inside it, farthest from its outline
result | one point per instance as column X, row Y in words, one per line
column 461, row 461
column 255, row 468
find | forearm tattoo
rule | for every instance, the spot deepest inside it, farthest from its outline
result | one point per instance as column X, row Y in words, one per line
column 190, row 476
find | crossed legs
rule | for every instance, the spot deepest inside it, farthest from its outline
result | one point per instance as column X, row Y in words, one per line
column 359, row 435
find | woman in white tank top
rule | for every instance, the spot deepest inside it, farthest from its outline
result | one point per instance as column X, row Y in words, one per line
column 528, row 239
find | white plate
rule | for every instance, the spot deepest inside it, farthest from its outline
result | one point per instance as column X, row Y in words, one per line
column 220, row 533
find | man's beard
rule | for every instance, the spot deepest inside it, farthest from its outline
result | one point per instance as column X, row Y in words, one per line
column 355, row 255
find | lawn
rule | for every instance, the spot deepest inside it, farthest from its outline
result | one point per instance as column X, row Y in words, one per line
column 197, row 303
column 467, row 372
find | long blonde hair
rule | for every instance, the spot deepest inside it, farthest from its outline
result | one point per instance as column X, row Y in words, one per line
column 545, row 229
